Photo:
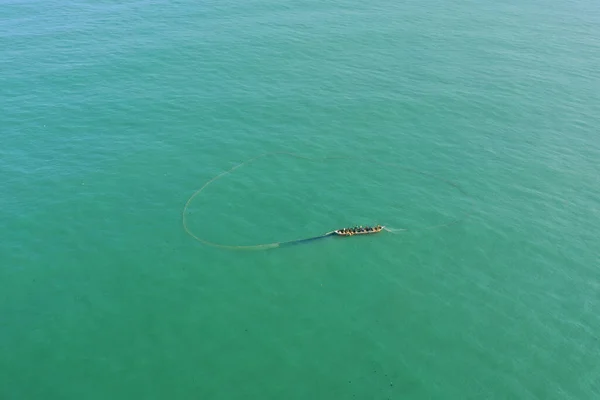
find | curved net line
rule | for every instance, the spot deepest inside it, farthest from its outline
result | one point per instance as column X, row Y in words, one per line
column 266, row 246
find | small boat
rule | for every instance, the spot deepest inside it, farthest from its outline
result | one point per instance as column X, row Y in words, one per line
column 358, row 230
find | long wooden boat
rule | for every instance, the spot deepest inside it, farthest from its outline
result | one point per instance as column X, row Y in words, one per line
column 358, row 231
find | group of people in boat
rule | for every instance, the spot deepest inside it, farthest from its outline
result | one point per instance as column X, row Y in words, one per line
column 360, row 229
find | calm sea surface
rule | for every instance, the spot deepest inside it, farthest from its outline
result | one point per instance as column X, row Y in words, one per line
column 113, row 113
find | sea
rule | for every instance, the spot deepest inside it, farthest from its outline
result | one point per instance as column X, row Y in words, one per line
column 469, row 129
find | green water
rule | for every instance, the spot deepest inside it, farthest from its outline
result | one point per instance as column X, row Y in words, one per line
column 113, row 113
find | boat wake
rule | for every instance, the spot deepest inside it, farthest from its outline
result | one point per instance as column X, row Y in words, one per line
column 339, row 232
column 394, row 230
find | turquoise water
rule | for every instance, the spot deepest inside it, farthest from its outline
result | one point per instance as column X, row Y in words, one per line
column 114, row 113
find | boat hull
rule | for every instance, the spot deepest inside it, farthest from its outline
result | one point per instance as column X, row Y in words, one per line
column 339, row 232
